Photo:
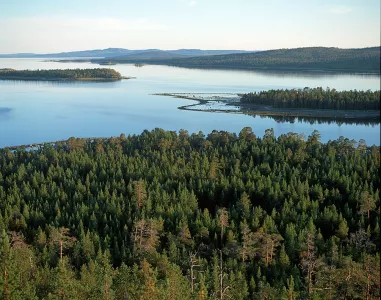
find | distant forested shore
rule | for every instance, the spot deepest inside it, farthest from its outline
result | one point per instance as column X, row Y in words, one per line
column 99, row 74
column 312, row 103
column 366, row 60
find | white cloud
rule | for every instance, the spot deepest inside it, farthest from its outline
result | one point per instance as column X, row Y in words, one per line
column 339, row 10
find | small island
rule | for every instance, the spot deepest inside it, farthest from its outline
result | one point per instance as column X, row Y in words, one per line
column 308, row 103
column 99, row 74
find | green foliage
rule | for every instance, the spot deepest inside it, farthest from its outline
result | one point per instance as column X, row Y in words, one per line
column 163, row 215
column 59, row 74
column 316, row 98
column 309, row 58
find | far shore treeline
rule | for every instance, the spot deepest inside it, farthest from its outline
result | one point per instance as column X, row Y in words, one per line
column 365, row 60
column 315, row 98
column 57, row 74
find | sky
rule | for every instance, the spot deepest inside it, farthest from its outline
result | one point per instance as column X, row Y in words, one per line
column 46, row 26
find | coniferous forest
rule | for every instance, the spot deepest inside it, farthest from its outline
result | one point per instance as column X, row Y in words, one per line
column 308, row 58
column 316, row 98
column 59, row 74
column 166, row 215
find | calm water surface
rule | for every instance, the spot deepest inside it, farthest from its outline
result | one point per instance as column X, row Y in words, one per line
column 32, row 112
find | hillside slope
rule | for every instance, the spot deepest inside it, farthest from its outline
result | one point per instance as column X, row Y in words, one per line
column 118, row 52
column 149, row 55
column 311, row 58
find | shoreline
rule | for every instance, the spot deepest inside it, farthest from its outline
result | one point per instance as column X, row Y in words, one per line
column 270, row 69
column 262, row 110
column 62, row 79
column 54, row 144
column 222, row 67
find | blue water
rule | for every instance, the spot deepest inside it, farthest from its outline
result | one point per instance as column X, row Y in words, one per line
column 34, row 112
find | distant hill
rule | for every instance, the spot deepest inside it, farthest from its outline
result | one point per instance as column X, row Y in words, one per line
column 149, row 55
column 198, row 52
column 311, row 58
column 119, row 52
column 171, row 54
column 109, row 52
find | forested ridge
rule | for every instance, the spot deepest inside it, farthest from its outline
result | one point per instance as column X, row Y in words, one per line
column 59, row 74
column 316, row 98
column 166, row 215
column 308, row 58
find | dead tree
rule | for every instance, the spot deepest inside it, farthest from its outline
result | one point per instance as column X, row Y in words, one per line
column 222, row 288
column 309, row 262
column 193, row 263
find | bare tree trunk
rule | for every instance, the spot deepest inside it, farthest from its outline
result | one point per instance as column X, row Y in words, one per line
column 330, row 289
column 192, row 278
column 224, row 222
column 61, row 251
column 222, row 234
column 309, row 262
column 141, row 236
column 5, row 284
column 193, row 263
column 135, row 239
column 136, row 234
column 272, row 250
column 221, row 275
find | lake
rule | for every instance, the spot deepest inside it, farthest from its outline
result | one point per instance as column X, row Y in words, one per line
column 36, row 112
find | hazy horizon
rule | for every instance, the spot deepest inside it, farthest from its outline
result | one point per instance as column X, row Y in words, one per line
column 51, row 27
column 153, row 49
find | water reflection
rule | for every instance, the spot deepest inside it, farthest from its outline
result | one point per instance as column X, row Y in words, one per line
column 230, row 103
column 4, row 110
column 35, row 112
column 322, row 120
column 284, row 73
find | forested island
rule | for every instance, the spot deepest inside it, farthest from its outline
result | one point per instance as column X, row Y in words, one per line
column 319, row 103
column 316, row 98
column 166, row 215
column 365, row 60
column 99, row 74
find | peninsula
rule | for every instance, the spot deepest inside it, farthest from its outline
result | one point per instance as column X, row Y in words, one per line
column 100, row 74
column 308, row 102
